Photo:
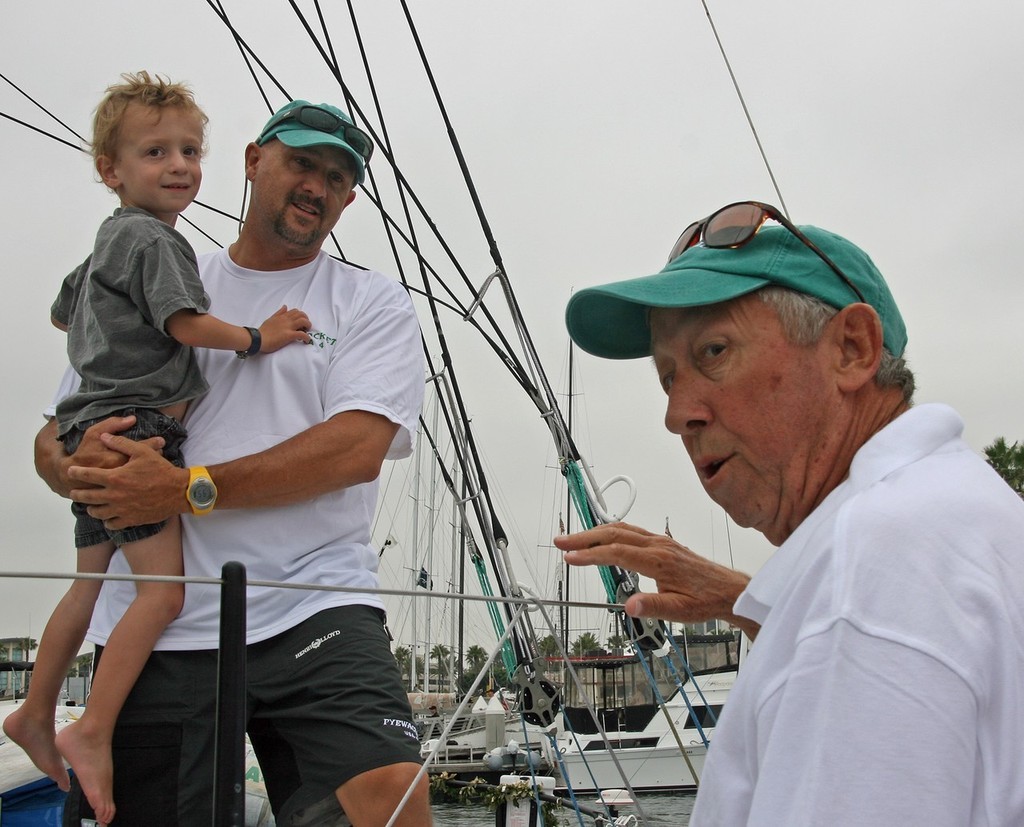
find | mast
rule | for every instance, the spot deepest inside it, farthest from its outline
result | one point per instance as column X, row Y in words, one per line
column 431, row 523
column 564, row 609
column 455, row 623
column 462, row 583
column 415, row 556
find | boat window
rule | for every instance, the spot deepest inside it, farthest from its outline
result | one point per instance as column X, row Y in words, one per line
column 623, row 743
column 700, row 713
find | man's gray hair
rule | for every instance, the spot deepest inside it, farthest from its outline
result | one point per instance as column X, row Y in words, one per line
column 803, row 320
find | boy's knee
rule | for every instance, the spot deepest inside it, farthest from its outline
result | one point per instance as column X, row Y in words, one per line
column 167, row 599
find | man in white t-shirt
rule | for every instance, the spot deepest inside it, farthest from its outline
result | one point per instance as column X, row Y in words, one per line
column 283, row 459
column 885, row 684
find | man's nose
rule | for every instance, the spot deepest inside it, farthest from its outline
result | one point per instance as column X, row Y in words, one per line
column 686, row 413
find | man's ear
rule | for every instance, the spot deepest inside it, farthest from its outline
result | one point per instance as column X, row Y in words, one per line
column 856, row 331
column 107, row 171
column 252, row 159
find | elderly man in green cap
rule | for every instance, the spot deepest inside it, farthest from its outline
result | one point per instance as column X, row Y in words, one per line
column 884, row 687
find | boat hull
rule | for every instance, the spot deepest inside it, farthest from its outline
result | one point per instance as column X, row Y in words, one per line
column 660, row 768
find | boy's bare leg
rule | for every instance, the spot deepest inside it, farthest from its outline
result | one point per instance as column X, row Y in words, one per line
column 31, row 725
column 86, row 743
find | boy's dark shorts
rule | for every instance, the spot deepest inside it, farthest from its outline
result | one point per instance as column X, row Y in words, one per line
column 148, row 423
column 325, row 703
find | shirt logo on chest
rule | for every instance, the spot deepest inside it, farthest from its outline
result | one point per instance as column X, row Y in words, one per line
column 319, row 339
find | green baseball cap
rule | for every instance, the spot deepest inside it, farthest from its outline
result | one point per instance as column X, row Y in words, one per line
column 301, row 123
column 610, row 320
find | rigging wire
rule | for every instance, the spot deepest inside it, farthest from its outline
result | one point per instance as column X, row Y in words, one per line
column 448, row 370
column 493, row 534
column 248, row 55
column 46, row 111
column 590, row 504
column 746, row 112
column 405, row 187
column 40, row 131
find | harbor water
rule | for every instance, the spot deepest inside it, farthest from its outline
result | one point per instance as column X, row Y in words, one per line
column 662, row 809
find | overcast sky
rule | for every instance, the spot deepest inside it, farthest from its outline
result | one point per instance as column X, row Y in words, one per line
column 594, row 132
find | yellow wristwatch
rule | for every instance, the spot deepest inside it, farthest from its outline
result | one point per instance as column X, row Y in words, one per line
column 202, row 493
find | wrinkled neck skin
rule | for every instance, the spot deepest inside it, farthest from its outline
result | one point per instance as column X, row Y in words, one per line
column 861, row 417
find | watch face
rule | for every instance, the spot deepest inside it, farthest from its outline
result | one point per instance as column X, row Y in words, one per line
column 202, row 493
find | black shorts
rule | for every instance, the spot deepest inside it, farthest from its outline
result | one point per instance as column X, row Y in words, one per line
column 325, row 703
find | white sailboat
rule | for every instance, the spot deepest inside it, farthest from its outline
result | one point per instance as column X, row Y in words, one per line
column 647, row 734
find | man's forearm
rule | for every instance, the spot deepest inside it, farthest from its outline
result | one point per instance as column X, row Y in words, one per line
column 346, row 450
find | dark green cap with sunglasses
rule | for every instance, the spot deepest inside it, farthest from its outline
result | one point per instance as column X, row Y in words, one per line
column 301, row 123
column 611, row 320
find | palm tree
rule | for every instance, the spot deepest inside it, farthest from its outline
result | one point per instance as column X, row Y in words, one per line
column 476, row 657
column 1008, row 461
column 440, row 653
column 548, row 646
column 587, row 642
column 81, row 667
column 403, row 656
column 17, row 648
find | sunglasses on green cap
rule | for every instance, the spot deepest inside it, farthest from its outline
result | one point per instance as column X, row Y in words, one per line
column 321, row 120
column 736, row 224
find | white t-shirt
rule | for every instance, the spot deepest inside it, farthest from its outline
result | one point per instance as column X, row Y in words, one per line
column 366, row 355
column 886, row 686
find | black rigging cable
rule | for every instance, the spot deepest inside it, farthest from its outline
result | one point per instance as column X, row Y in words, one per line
column 45, row 111
column 746, row 112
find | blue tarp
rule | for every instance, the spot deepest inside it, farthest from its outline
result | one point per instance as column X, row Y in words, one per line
column 38, row 804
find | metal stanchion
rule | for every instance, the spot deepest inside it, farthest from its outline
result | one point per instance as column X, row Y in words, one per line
column 229, row 747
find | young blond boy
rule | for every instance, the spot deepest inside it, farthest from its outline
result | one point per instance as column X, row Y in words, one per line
column 133, row 311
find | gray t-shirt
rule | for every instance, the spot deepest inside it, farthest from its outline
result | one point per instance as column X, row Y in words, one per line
column 115, row 305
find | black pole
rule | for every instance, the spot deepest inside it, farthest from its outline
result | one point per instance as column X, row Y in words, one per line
column 229, row 747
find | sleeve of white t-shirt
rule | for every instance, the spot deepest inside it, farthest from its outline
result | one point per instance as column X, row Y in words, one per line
column 378, row 367
column 864, row 730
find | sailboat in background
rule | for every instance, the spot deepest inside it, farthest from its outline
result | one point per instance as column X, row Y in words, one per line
column 652, row 728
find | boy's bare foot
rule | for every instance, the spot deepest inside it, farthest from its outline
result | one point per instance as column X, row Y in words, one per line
column 93, row 765
column 36, row 737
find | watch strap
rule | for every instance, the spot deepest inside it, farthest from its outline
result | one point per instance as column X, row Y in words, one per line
column 255, row 343
column 198, row 473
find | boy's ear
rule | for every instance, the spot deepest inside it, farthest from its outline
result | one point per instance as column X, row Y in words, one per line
column 107, row 172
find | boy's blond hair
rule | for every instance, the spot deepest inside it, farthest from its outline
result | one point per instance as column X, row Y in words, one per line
column 142, row 89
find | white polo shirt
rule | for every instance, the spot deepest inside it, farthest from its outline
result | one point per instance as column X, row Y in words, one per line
column 886, row 686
